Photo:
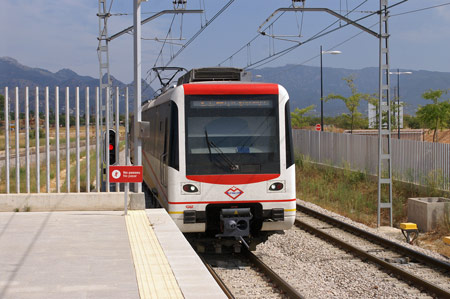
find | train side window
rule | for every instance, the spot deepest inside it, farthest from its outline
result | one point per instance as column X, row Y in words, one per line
column 153, row 131
column 173, row 139
column 288, row 132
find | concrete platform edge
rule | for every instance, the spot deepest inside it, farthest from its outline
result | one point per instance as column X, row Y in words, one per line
column 193, row 278
column 92, row 201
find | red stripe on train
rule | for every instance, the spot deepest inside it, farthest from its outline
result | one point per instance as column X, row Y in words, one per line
column 222, row 89
column 232, row 179
column 225, row 202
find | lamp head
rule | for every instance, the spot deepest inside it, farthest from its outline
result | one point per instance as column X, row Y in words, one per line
column 332, row 52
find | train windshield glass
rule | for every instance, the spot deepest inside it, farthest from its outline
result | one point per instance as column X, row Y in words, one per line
column 232, row 134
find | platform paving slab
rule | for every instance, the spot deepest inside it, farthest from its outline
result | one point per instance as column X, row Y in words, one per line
column 65, row 255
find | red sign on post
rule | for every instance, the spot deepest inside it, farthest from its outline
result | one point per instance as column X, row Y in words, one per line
column 125, row 174
column 318, row 127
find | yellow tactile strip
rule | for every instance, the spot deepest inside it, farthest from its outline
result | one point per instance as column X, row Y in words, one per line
column 154, row 275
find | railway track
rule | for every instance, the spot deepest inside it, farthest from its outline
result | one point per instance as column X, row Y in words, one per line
column 245, row 275
column 420, row 270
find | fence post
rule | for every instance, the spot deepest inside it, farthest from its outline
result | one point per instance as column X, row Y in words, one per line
column 17, row 129
column 67, row 141
column 108, row 97
column 58, row 157
column 38, row 150
column 98, row 182
column 27, row 139
column 7, row 139
column 126, row 148
column 77, row 136
column 87, row 115
column 47, row 139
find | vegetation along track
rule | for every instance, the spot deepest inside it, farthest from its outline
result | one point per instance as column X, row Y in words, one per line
column 420, row 270
column 244, row 275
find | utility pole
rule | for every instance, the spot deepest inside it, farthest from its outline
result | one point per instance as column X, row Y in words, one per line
column 398, row 73
column 137, row 86
column 105, row 78
column 137, row 66
column 321, row 82
column 384, row 128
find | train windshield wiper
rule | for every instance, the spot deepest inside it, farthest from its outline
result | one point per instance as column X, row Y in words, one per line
column 224, row 157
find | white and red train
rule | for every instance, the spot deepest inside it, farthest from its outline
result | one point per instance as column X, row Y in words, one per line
column 218, row 156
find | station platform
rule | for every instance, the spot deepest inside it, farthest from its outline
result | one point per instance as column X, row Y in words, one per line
column 99, row 255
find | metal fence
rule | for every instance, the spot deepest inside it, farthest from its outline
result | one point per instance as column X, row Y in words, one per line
column 21, row 125
column 416, row 162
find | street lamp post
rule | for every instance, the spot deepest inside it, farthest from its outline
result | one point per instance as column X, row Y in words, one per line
column 321, row 83
column 398, row 73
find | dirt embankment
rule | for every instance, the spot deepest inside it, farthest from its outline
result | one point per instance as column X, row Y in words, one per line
column 443, row 136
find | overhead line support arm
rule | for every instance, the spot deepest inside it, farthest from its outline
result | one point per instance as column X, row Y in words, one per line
column 171, row 11
column 339, row 16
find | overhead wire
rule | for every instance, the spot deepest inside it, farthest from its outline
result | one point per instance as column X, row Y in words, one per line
column 200, row 30
column 346, row 15
column 279, row 54
column 420, row 9
column 287, row 50
column 317, row 35
column 249, row 42
column 164, row 43
column 160, row 53
column 352, row 37
column 203, row 27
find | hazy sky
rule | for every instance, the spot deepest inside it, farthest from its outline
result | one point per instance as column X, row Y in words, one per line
column 56, row 34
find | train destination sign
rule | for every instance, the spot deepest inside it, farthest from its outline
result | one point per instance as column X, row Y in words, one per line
column 125, row 174
column 232, row 104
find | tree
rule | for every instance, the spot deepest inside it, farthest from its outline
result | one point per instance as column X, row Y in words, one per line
column 351, row 102
column 298, row 117
column 435, row 116
column 411, row 122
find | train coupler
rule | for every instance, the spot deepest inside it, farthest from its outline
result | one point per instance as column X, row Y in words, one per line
column 235, row 222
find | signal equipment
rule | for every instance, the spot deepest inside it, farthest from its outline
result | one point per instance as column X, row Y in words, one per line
column 110, row 149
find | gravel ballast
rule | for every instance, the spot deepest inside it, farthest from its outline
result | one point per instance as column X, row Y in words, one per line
column 318, row 269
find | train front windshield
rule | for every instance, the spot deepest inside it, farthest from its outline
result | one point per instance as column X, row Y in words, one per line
column 232, row 134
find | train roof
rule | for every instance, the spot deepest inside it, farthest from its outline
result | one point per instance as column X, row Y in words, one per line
column 212, row 74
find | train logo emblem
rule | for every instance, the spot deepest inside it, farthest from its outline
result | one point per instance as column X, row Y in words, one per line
column 116, row 174
column 234, row 192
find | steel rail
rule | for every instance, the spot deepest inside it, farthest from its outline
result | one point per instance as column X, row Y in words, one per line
column 423, row 258
column 418, row 282
column 281, row 283
column 217, row 279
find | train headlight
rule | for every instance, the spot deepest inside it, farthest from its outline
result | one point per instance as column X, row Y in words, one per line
column 190, row 189
column 276, row 186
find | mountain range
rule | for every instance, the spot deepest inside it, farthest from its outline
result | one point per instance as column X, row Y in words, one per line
column 302, row 83
column 13, row 74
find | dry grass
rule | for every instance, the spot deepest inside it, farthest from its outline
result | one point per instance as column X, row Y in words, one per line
column 53, row 172
column 354, row 195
